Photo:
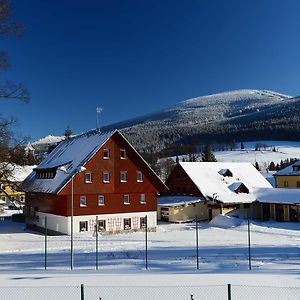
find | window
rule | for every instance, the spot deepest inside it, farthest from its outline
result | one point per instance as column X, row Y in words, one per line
column 83, row 226
column 105, row 177
column 127, row 223
column 106, row 154
column 123, row 176
column 285, row 183
column 88, row 177
column 126, row 199
column 122, row 153
column 82, row 201
column 298, row 184
column 139, row 176
column 142, row 222
column 101, row 225
column 142, row 199
column 101, row 200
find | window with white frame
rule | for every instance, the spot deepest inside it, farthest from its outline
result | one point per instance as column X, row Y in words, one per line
column 105, row 177
column 106, row 154
column 126, row 199
column 101, row 225
column 143, row 222
column 123, row 176
column 83, row 226
column 139, row 176
column 142, row 199
column 122, row 153
column 101, row 200
column 88, row 177
column 127, row 223
column 83, row 202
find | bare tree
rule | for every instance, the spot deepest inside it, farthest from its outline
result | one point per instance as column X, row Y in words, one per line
column 8, row 91
column 9, row 27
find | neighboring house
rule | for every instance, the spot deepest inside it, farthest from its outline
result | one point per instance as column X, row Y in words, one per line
column 41, row 148
column 181, row 208
column 10, row 191
column 118, row 187
column 288, row 177
column 277, row 204
column 225, row 187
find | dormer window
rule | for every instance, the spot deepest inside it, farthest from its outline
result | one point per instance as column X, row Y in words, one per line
column 226, row 173
column 239, row 187
column 45, row 173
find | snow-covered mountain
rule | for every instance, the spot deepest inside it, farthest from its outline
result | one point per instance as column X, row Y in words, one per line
column 239, row 114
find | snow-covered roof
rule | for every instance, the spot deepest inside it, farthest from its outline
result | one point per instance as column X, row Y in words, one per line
column 49, row 139
column 289, row 170
column 72, row 153
column 213, row 185
column 277, row 195
column 18, row 173
column 172, row 201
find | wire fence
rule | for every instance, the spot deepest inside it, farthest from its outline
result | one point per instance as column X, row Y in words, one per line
column 211, row 292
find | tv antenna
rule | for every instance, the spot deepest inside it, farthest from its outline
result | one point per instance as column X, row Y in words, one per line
column 98, row 111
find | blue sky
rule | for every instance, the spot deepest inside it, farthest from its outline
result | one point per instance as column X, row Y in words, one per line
column 132, row 57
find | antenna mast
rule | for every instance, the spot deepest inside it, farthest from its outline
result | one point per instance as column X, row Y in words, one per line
column 98, row 111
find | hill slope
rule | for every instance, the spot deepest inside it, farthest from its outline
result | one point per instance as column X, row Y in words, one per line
column 240, row 114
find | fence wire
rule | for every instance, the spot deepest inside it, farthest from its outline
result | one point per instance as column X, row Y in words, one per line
column 209, row 292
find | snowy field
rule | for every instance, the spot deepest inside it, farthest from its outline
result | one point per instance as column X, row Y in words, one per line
column 171, row 274
column 284, row 150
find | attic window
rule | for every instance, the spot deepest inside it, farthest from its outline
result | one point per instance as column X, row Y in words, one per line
column 88, row 177
column 45, row 174
column 106, row 154
column 122, row 153
column 296, row 168
column 226, row 173
column 239, row 187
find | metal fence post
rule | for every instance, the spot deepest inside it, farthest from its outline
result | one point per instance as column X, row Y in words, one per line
column 197, row 243
column 229, row 291
column 46, row 242
column 249, row 239
column 82, row 291
column 97, row 257
column 146, row 242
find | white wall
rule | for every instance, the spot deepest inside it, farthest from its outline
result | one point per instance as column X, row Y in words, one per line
column 114, row 222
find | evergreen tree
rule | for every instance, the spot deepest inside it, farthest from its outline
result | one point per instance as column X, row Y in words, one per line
column 272, row 166
column 208, row 155
column 68, row 133
column 257, row 166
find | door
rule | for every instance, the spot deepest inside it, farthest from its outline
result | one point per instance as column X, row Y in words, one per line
column 266, row 211
column 279, row 212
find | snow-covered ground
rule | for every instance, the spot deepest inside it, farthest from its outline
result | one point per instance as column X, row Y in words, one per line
column 171, row 261
column 172, row 273
column 284, row 150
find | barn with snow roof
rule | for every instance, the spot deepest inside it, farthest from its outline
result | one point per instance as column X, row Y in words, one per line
column 92, row 175
column 218, row 188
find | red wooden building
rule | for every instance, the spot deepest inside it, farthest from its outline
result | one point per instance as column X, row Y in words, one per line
column 115, row 184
